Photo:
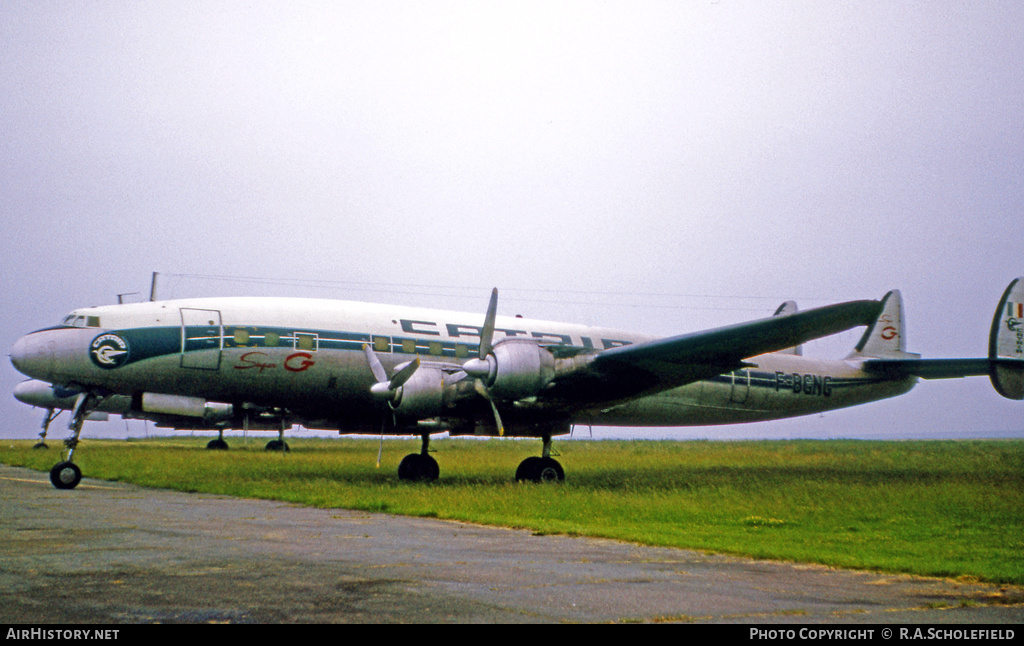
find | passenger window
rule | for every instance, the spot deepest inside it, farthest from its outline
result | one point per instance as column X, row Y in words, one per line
column 435, row 348
column 305, row 342
column 241, row 336
column 409, row 346
column 271, row 339
column 381, row 344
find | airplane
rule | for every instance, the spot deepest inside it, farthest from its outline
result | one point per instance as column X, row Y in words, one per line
column 365, row 368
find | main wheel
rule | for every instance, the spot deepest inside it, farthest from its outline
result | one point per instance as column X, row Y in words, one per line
column 417, row 467
column 217, row 445
column 540, row 470
column 65, row 475
column 550, row 471
column 277, row 445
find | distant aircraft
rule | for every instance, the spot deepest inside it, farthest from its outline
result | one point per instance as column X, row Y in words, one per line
column 368, row 369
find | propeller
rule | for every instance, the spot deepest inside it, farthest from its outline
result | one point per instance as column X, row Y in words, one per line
column 387, row 389
column 483, row 367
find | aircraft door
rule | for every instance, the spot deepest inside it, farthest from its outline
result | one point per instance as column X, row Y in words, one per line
column 740, row 386
column 202, row 339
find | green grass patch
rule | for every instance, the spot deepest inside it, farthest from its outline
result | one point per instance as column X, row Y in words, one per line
column 938, row 508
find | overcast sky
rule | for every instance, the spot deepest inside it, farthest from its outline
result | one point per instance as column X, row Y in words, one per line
column 661, row 167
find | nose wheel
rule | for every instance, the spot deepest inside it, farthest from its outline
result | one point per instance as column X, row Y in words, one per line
column 65, row 475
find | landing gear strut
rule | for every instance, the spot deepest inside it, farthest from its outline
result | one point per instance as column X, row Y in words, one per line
column 66, row 474
column 542, row 469
column 419, row 467
column 219, row 444
column 51, row 415
column 279, row 444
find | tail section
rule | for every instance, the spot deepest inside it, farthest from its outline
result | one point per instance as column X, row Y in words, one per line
column 786, row 309
column 1006, row 343
column 885, row 338
column 881, row 349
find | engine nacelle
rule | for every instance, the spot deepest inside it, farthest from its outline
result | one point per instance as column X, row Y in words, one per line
column 520, row 369
column 423, row 395
column 184, row 406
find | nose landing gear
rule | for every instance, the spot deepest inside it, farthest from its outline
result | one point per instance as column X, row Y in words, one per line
column 66, row 474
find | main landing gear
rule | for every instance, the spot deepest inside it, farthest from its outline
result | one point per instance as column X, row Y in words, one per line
column 542, row 469
column 219, row 444
column 419, row 467
column 279, row 444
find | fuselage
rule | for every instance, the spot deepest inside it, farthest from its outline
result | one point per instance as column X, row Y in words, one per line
column 308, row 355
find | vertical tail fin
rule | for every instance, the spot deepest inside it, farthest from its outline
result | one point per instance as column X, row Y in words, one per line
column 1006, row 341
column 885, row 339
column 786, row 309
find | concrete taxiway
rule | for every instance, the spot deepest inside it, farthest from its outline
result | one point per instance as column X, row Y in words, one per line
column 116, row 553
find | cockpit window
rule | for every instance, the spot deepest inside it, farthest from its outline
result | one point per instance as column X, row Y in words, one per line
column 74, row 320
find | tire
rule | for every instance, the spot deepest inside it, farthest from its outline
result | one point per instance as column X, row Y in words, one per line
column 528, row 469
column 540, row 470
column 549, row 470
column 217, row 445
column 417, row 467
column 65, row 475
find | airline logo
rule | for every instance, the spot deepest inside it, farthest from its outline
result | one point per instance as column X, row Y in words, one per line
column 1014, row 314
column 109, row 351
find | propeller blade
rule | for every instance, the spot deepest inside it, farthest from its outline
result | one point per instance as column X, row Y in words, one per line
column 375, row 365
column 404, row 374
column 482, row 390
column 383, row 429
column 487, row 334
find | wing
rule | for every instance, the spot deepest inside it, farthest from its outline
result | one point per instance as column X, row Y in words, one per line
column 643, row 368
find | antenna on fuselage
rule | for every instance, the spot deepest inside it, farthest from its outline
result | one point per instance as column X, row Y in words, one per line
column 152, row 288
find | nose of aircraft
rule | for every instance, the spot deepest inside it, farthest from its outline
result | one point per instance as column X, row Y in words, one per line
column 32, row 355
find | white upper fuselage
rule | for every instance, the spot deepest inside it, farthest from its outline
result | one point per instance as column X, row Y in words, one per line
column 307, row 355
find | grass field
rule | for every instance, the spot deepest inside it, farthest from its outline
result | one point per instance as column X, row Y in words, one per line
column 941, row 508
